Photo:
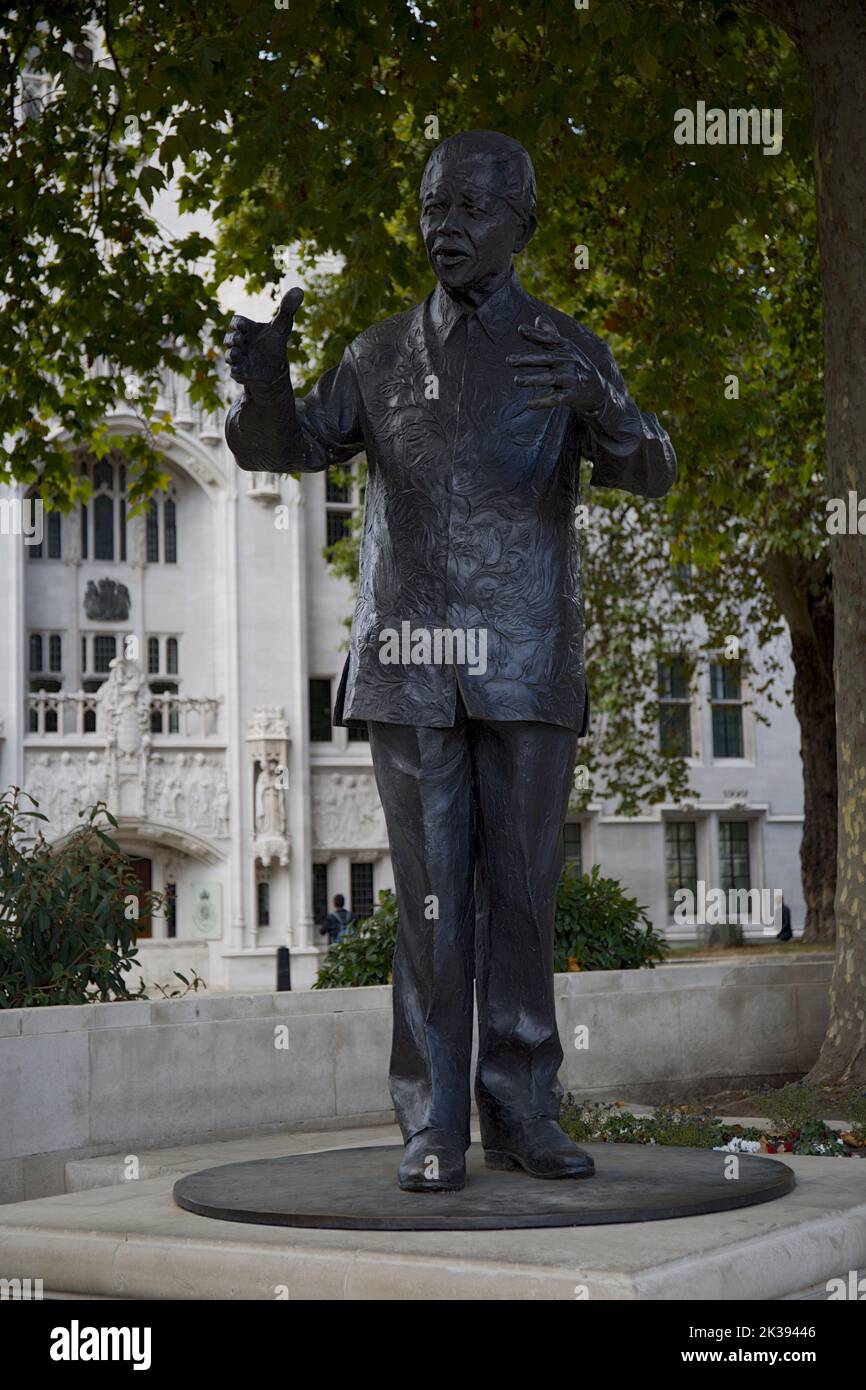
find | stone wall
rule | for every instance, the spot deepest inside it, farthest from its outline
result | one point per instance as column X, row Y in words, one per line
column 76, row 1082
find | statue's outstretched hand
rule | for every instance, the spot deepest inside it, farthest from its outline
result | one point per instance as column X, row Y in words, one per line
column 257, row 351
column 564, row 373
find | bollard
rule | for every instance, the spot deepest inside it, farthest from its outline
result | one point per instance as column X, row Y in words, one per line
column 284, row 968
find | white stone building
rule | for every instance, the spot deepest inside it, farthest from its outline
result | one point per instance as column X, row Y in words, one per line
column 182, row 666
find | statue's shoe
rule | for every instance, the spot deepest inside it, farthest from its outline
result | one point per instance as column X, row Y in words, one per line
column 540, row 1148
column 434, row 1161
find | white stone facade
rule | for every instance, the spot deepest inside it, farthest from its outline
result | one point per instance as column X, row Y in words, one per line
column 169, row 677
column 172, row 677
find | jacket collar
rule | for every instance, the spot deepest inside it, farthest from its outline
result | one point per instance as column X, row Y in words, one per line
column 495, row 314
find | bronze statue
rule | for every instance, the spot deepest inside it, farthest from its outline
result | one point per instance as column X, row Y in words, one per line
column 474, row 410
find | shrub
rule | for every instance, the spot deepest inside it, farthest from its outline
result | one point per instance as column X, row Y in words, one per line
column 857, row 1112
column 365, row 952
column 596, row 928
column 599, row 928
column 792, row 1107
column 65, row 937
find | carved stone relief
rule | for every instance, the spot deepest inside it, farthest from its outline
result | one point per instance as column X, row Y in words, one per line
column 347, row 812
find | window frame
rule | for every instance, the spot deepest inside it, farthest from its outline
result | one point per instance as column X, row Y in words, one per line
column 725, row 703
column 684, row 703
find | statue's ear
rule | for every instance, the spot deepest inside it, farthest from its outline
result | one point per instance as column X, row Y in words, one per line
column 526, row 232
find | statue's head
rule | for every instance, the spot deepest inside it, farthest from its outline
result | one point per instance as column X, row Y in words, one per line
column 477, row 207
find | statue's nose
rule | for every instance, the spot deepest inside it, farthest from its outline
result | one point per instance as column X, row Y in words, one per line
column 450, row 219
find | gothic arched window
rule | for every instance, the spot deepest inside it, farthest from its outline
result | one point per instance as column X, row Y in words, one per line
column 103, row 520
column 153, row 533
column 161, row 531
column 103, row 527
column 169, row 522
column 49, row 545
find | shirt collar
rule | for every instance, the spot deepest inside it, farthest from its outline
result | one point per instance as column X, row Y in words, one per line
column 494, row 315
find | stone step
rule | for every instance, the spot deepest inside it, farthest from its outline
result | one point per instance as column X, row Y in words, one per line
column 130, row 1241
column 110, row 1170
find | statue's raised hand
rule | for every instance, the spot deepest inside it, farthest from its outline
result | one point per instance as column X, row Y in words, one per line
column 559, row 368
column 257, row 351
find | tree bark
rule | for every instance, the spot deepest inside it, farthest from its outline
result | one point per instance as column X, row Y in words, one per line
column 803, row 591
column 832, row 37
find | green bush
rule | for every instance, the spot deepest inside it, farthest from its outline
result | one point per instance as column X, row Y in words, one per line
column 65, row 936
column 599, row 928
column 791, row 1107
column 364, row 954
column 857, row 1112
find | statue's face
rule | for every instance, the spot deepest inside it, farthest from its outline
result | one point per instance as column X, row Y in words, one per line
column 470, row 232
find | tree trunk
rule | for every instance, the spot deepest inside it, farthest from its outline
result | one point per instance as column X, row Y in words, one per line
column 832, row 37
column 803, row 591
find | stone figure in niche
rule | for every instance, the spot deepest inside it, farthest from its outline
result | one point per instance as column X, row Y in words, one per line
column 155, row 784
column 68, row 791
column 199, row 792
column 95, row 779
column 221, row 807
column 270, row 802
column 171, row 791
column 107, row 601
column 39, row 785
column 474, row 409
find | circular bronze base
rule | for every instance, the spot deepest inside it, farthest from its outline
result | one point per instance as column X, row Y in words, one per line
column 356, row 1190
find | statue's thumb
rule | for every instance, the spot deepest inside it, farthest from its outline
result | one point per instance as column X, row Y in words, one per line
column 291, row 302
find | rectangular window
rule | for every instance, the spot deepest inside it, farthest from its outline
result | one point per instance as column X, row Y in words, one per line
column 362, row 890
column 83, row 531
column 337, row 492
column 103, row 527
column 55, row 652
column 35, row 651
column 358, row 733
column 263, row 903
column 681, row 859
column 104, row 651
column 320, row 893
column 727, row 709
column 171, row 655
column 675, row 726
column 320, row 711
column 152, row 533
column 339, row 524
column 34, row 550
column 153, row 656
column 572, row 848
column 338, row 511
column 169, row 515
column 54, row 535
column 734, row 867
